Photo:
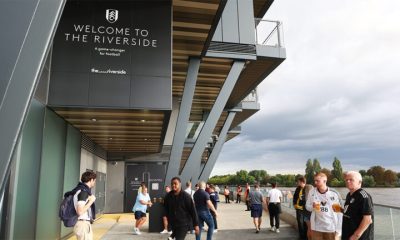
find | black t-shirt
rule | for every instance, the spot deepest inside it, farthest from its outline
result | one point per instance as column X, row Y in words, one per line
column 357, row 205
column 200, row 198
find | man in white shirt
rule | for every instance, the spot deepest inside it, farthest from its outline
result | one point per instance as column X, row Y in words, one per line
column 325, row 222
column 84, row 206
column 189, row 188
column 274, row 199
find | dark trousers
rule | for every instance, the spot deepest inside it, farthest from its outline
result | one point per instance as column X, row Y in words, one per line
column 238, row 200
column 302, row 226
column 247, row 205
column 274, row 211
column 179, row 233
column 226, row 198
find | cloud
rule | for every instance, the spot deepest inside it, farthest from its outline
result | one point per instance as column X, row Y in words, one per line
column 336, row 94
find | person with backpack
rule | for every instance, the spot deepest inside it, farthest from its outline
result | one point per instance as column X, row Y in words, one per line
column 83, row 202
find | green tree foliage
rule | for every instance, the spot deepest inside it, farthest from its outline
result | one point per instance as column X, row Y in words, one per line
column 378, row 173
column 260, row 176
column 336, row 183
column 316, row 166
column 309, row 171
column 363, row 173
column 368, row 181
column 390, row 177
column 337, row 171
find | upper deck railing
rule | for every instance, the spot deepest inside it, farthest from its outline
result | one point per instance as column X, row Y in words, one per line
column 269, row 32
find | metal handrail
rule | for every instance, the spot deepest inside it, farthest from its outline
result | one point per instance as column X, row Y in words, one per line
column 268, row 28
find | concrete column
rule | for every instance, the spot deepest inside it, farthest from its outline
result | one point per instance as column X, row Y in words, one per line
column 192, row 166
column 183, row 120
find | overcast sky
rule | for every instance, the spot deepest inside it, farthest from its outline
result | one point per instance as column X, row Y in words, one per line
column 336, row 94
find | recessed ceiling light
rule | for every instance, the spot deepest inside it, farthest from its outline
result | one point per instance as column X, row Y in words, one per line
column 110, row 138
column 94, row 119
column 145, row 139
column 143, row 120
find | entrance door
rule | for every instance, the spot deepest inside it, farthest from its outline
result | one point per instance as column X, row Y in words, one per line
column 153, row 176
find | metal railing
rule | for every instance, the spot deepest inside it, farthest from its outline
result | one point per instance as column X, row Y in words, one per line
column 269, row 32
column 252, row 97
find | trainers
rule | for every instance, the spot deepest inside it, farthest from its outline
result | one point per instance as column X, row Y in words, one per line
column 215, row 230
column 170, row 238
column 277, row 230
column 272, row 229
column 170, row 232
column 165, row 231
column 257, row 230
column 136, row 231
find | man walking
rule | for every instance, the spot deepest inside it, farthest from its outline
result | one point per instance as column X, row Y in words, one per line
column 180, row 211
column 84, row 206
column 274, row 199
column 325, row 223
column 256, row 200
column 203, row 205
column 299, row 201
column 358, row 213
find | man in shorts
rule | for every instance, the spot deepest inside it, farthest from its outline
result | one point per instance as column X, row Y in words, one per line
column 140, row 208
column 256, row 200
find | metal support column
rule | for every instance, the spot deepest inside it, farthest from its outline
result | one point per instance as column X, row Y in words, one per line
column 206, row 171
column 183, row 120
column 27, row 52
column 192, row 165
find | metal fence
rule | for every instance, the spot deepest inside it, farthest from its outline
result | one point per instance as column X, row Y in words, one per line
column 269, row 33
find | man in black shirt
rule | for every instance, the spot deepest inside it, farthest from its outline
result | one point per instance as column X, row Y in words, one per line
column 203, row 205
column 358, row 212
column 299, row 202
column 180, row 210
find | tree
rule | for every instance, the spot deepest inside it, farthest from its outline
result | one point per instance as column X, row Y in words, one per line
column 336, row 183
column 390, row 177
column 378, row 173
column 363, row 173
column 337, row 171
column 259, row 175
column 309, row 171
column 368, row 181
column 316, row 166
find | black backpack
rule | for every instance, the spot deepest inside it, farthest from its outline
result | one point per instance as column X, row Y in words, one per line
column 67, row 212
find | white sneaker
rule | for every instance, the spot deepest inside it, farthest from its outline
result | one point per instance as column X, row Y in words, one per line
column 272, row 229
column 135, row 231
column 165, row 231
column 170, row 238
column 215, row 230
column 138, row 231
column 170, row 232
column 277, row 230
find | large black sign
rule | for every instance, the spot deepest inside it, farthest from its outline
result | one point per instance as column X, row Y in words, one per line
column 113, row 54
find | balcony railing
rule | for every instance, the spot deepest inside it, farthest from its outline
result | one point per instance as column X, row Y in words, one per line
column 269, row 33
column 252, row 97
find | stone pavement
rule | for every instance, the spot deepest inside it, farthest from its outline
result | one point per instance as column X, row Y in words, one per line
column 233, row 222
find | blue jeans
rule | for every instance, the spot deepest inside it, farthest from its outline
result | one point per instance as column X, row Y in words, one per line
column 205, row 216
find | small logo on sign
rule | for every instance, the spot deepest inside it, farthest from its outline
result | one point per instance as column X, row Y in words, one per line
column 112, row 15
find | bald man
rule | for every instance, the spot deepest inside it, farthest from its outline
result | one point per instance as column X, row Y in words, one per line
column 358, row 212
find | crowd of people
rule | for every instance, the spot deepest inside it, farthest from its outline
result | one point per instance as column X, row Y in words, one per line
column 320, row 212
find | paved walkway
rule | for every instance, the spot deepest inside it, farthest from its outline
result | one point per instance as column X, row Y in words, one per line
column 233, row 222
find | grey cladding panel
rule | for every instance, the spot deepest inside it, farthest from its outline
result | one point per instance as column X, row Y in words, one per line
column 20, row 14
column 156, row 86
column 109, row 92
column 69, row 89
column 246, row 22
column 230, row 27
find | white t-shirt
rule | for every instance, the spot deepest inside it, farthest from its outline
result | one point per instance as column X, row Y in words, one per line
column 190, row 191
column 274, row 195
column 82, row 199
column 325, row 220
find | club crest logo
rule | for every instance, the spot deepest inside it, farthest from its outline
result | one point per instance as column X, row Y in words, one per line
column 112, row 15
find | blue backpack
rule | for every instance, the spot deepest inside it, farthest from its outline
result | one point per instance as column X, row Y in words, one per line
column 67, row 212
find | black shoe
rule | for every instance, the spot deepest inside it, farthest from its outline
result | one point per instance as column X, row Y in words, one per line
column 257, row 230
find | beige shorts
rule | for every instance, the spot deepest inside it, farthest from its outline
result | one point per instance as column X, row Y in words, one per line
column 83, row 230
